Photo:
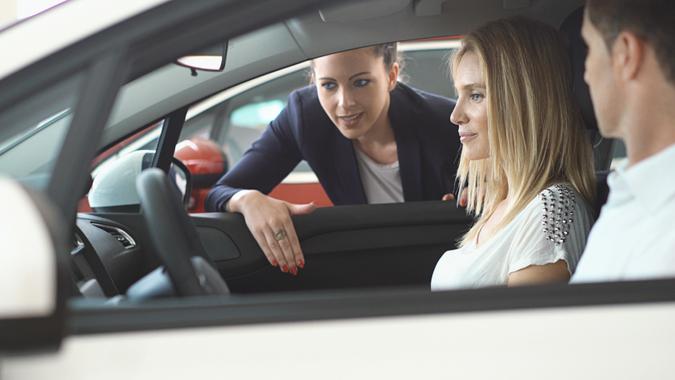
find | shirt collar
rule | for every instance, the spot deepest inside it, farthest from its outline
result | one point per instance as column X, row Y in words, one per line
column 651, row 181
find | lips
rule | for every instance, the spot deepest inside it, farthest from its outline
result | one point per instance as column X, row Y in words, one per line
column 466, row 136
column 351, row 119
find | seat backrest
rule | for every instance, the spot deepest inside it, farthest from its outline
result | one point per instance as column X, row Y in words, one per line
column 602, row 147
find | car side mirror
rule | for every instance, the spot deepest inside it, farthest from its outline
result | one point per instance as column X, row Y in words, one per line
column 211, row 59
column 34, row 280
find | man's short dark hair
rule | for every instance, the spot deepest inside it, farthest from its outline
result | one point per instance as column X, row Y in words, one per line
column 651, row 20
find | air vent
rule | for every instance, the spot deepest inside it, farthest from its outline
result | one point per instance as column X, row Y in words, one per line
column 119, row 235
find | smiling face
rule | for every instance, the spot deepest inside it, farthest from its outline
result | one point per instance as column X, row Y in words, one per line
column 353, row 88
column 599, row 75
column 470, row 113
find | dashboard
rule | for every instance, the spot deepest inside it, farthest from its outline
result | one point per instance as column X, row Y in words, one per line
column 105, row 257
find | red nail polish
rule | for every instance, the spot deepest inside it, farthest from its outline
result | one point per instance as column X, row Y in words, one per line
column 274, row 263
column 294, row 271
column 284, row 268
column 301, row 264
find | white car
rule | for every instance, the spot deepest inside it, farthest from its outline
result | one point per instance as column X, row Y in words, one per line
column 83, row 295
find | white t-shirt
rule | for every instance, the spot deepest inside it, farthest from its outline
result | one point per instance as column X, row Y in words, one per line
column 634, row 237
column 552, row 227
column 381, row 183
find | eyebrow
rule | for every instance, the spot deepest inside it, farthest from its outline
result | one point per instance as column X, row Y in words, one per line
column 472, row 86
column 350, row 78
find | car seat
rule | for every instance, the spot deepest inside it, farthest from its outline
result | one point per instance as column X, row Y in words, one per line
column 602, row 147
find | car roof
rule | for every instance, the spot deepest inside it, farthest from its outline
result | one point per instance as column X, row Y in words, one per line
column 45, row 33
column 295, row 40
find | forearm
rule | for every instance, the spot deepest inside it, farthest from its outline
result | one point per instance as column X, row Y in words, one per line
column 241, row 199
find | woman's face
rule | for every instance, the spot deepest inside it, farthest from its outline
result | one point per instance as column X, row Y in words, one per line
column 353, row 88
column 470, row 113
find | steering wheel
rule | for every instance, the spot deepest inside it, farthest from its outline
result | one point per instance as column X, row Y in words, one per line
column 175, row 237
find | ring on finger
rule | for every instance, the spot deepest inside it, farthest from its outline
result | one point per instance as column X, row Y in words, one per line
column 280, row 235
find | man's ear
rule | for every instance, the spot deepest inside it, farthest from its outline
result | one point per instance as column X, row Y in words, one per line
column 628, row 54
column 393, row 75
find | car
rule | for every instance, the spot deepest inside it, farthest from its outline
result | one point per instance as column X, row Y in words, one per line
column 87, row 294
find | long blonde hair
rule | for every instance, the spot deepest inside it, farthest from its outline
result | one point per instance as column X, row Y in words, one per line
column 535, row 130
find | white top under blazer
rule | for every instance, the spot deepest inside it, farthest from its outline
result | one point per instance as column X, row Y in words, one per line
column 552, row 227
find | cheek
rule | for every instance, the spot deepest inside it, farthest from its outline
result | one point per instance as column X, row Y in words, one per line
column 479, row 118
column 326, row 101
column 372, row 99
column 482, row 129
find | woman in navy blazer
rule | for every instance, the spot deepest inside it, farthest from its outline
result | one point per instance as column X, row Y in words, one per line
column 355, row 107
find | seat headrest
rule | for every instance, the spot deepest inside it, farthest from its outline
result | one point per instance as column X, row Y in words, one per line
column 571, row 29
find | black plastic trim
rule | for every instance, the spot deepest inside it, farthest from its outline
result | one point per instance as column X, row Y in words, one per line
column 298, row 307
column 168, row 139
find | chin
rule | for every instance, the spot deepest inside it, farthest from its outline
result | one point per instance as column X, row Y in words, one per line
column 351, row 133
column 474, row 156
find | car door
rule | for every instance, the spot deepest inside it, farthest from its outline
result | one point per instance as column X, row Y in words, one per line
column 344, row 246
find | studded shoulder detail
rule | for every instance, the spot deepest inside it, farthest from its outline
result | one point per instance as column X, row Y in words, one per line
column 558, row 201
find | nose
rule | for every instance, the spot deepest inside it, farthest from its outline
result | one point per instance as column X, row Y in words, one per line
column 345, row 98
column 458, row 116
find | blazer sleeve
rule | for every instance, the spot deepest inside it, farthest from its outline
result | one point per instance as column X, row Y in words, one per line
column 267, row 162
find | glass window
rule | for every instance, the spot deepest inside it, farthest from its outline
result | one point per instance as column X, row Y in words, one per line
column 32, row 133
column 428, row 70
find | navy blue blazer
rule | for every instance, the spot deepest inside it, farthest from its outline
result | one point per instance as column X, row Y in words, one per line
column 427, row 144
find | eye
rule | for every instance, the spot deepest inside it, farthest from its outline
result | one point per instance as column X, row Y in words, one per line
column 328, row 85
column 361, row 82
column 476, row 97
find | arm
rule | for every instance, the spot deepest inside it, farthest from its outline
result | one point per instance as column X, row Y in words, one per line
column 243, row 190
column 265, row 164
column 548, row 245
column 540, row 274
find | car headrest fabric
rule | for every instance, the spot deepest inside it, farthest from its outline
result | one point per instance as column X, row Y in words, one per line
column 571, row 29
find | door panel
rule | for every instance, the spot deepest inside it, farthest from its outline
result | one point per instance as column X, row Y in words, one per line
column 346, row 246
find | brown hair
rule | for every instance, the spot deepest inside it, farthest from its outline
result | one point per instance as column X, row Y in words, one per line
column 535, row 130
column 651, row 20
column 388, row 51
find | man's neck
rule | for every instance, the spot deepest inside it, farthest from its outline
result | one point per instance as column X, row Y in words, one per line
column 648, row 141
column 650, row 127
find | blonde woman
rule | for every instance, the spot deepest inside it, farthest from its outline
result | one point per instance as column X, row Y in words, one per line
column 526, row 162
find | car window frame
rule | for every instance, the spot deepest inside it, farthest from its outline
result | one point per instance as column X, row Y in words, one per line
column 118, row 66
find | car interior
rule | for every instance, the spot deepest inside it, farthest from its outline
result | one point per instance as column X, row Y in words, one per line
column 138, row 242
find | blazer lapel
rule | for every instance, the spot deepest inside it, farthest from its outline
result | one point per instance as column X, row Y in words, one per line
column 348, row 170
column 408, row 147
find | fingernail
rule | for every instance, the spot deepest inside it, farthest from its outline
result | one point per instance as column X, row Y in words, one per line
column 274, row 263
column 284, row 268
column 294, row 271
column 301, row 263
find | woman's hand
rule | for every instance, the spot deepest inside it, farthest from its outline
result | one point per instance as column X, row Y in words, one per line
column 462, row 198
column 269, row 220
